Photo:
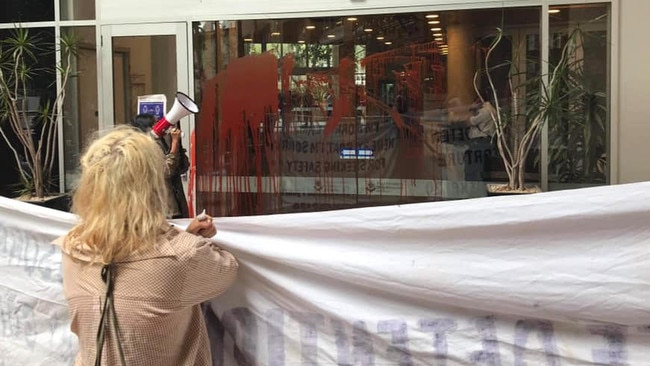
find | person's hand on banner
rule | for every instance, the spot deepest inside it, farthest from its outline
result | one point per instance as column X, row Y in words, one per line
column 202, row 225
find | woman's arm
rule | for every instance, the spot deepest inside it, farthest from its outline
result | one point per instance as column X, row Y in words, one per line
column 211, row 269
column 172, row 157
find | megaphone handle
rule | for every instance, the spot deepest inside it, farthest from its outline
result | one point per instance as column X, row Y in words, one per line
column 161, row 127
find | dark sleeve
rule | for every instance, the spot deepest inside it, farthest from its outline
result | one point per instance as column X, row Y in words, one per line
column 183, row 162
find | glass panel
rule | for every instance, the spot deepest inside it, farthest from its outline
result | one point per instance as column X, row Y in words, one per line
column 325, row 113
column 77, row 9
column 81, row 103
column 578, row 137
column 142, row 65
column 13, row 11
column 39, row 93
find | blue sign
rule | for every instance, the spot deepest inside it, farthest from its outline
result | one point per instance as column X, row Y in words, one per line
column 358, row 153
column 155, row 108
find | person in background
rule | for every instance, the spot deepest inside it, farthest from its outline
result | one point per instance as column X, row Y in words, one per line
column 481, row 131
column 176, row 164
column 482, row 120
column 133, row 282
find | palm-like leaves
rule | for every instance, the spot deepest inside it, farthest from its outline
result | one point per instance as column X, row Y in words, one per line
column 34, row 156
column 577, row 128
column 559, row 97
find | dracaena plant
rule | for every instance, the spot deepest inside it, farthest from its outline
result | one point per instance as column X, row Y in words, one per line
column 578, row 128
column 529, row 101
column 31, row 135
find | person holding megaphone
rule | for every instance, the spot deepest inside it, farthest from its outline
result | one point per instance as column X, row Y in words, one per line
column 168, row 134
column 176, row 163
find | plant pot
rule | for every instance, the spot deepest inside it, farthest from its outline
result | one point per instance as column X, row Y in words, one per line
column 498, row 190
column 59, row 202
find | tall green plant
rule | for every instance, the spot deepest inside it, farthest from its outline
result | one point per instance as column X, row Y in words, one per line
column 34, row 148
column 519, row 116
column 577, row 130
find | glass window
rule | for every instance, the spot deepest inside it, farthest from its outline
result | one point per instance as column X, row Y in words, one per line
column 337, row 112
column 81, row 103
column 38, row 94
column 13, row 11
column 77, row 9
column 142, row 65
column 578, row 136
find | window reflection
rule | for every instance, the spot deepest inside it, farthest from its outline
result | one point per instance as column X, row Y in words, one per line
column 77, row 9
column 81, row 103
column 324, row 113
column 14, row 11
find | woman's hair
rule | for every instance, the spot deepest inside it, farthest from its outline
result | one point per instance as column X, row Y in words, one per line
column 121, row 196
column 144, row 121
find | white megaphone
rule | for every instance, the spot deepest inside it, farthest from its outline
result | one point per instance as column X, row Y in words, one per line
column 183, row 106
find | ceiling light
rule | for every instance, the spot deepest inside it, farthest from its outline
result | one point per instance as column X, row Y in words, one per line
column 433, row 22
column 388, row 42
column 368, row 30
column 331, row 36
column 553, row 11
column 248, row 40
column 432, row 16
column 438, row 39
column 437, row 34
column 380, row 38
column 352, row 19
column 275, row 34
column 310, row 27
column 436, row 29
column 301, row 41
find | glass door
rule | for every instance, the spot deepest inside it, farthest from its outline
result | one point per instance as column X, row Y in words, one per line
column 139, row 60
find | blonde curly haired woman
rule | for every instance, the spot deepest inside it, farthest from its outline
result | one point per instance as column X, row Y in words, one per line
column 133, row 282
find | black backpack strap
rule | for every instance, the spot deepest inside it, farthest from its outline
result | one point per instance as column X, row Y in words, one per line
column 108, row 312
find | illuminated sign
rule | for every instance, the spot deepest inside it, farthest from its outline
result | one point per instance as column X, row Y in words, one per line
column 358, row 153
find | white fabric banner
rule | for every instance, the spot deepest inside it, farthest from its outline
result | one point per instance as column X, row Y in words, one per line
column 558, row 278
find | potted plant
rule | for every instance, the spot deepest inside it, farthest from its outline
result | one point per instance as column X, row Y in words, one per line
column 529, row 101
column 28, row 121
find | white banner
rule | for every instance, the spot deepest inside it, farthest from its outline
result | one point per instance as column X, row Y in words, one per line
column 558, row 278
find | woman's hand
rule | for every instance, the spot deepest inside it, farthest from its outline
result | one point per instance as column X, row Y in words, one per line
column 175, row 134
column 203, row 227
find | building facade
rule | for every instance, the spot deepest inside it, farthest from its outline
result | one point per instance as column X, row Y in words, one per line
column 312, row 106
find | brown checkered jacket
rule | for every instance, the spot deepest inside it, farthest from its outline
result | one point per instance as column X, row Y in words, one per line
column 157, row 297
